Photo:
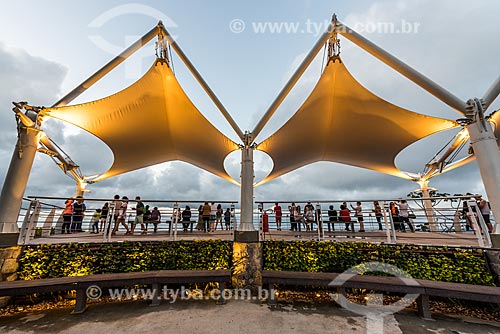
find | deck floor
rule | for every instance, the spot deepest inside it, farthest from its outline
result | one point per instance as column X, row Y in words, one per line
column 467, row 239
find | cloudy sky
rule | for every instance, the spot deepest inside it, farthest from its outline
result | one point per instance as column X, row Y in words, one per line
column 49, row 47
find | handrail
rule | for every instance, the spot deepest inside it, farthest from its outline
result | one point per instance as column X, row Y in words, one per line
column 367, row 200
column 131, row 200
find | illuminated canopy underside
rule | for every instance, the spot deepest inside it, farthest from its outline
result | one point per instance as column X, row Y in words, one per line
column 495, row 120
column 151, row 122
column 341, row 121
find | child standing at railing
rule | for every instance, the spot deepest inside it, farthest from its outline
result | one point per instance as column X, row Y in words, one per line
column 96, row 217
column 227, row 219
column 104, row 216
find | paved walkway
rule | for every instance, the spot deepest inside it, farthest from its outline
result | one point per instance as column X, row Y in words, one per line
column 235, row 317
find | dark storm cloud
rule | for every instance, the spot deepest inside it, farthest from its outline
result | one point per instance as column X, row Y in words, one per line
column 36, row 80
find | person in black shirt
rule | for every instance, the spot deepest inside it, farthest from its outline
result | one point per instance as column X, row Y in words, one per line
column 104, row 216
column 78, row 213
column 332, row 218
column 186, row 218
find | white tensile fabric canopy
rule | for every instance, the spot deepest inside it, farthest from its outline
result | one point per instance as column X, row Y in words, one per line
column 341, row 121
column 151, row 122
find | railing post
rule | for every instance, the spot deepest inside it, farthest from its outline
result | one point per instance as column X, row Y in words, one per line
column 176, row 219
column 233, row 221
column 49, row 221
column 387, row 221
column 260, row 213
column 24, row 226
column 319, row 222
column 32, row 223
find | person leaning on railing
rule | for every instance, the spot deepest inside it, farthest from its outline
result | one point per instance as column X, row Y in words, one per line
column 403, row 215
column 377, row 210
column 78, row 213
column 155, row 218
column 332, row 218
column 186, row 218
column 484, row 207
column 358, row 213
column 67, row 215
column 345, row 216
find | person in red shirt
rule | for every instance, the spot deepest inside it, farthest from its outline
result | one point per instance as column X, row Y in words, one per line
column 278, row 213
column 345, row 216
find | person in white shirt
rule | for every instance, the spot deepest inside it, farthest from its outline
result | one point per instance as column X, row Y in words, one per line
column 122, row 214
column 213, row 216
column 403, row 214
column 358, row 213
column 484, row 207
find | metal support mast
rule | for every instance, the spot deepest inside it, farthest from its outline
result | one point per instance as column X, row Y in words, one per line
column 429, row 210
column 247, row 180
column 484, row 144
column 28, row 130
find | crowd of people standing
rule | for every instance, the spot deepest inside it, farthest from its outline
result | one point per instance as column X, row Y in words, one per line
column 112, row 215
column 211, row 217
column 400, row 214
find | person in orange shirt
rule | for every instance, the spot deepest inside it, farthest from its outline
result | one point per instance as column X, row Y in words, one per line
column 67, row 215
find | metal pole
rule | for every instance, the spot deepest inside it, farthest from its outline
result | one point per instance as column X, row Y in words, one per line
column 319, row 221
column 17, row 177
column 232, row 224
column 485, row 148
column 386, row 222
column 107, row 68
column 260, row 212
column 492, row 93
column 418, row 78
column 176, row 219
column 435, row 166
column 429, row 210
column 391, row 221
column 293, row 80
column 202, row 82
column 247, row 178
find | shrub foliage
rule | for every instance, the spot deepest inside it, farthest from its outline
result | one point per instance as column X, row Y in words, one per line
column 61, row 260
column 459, row 265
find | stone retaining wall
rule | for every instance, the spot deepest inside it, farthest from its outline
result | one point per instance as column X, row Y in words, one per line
column 494, row 263
column 8, row 267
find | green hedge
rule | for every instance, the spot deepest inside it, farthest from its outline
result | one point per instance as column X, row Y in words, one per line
column 61, row 260
column 420, row 262
column 433, row 263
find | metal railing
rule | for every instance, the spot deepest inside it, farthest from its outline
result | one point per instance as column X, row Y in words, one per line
column 41, row 221
column 450, row 217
